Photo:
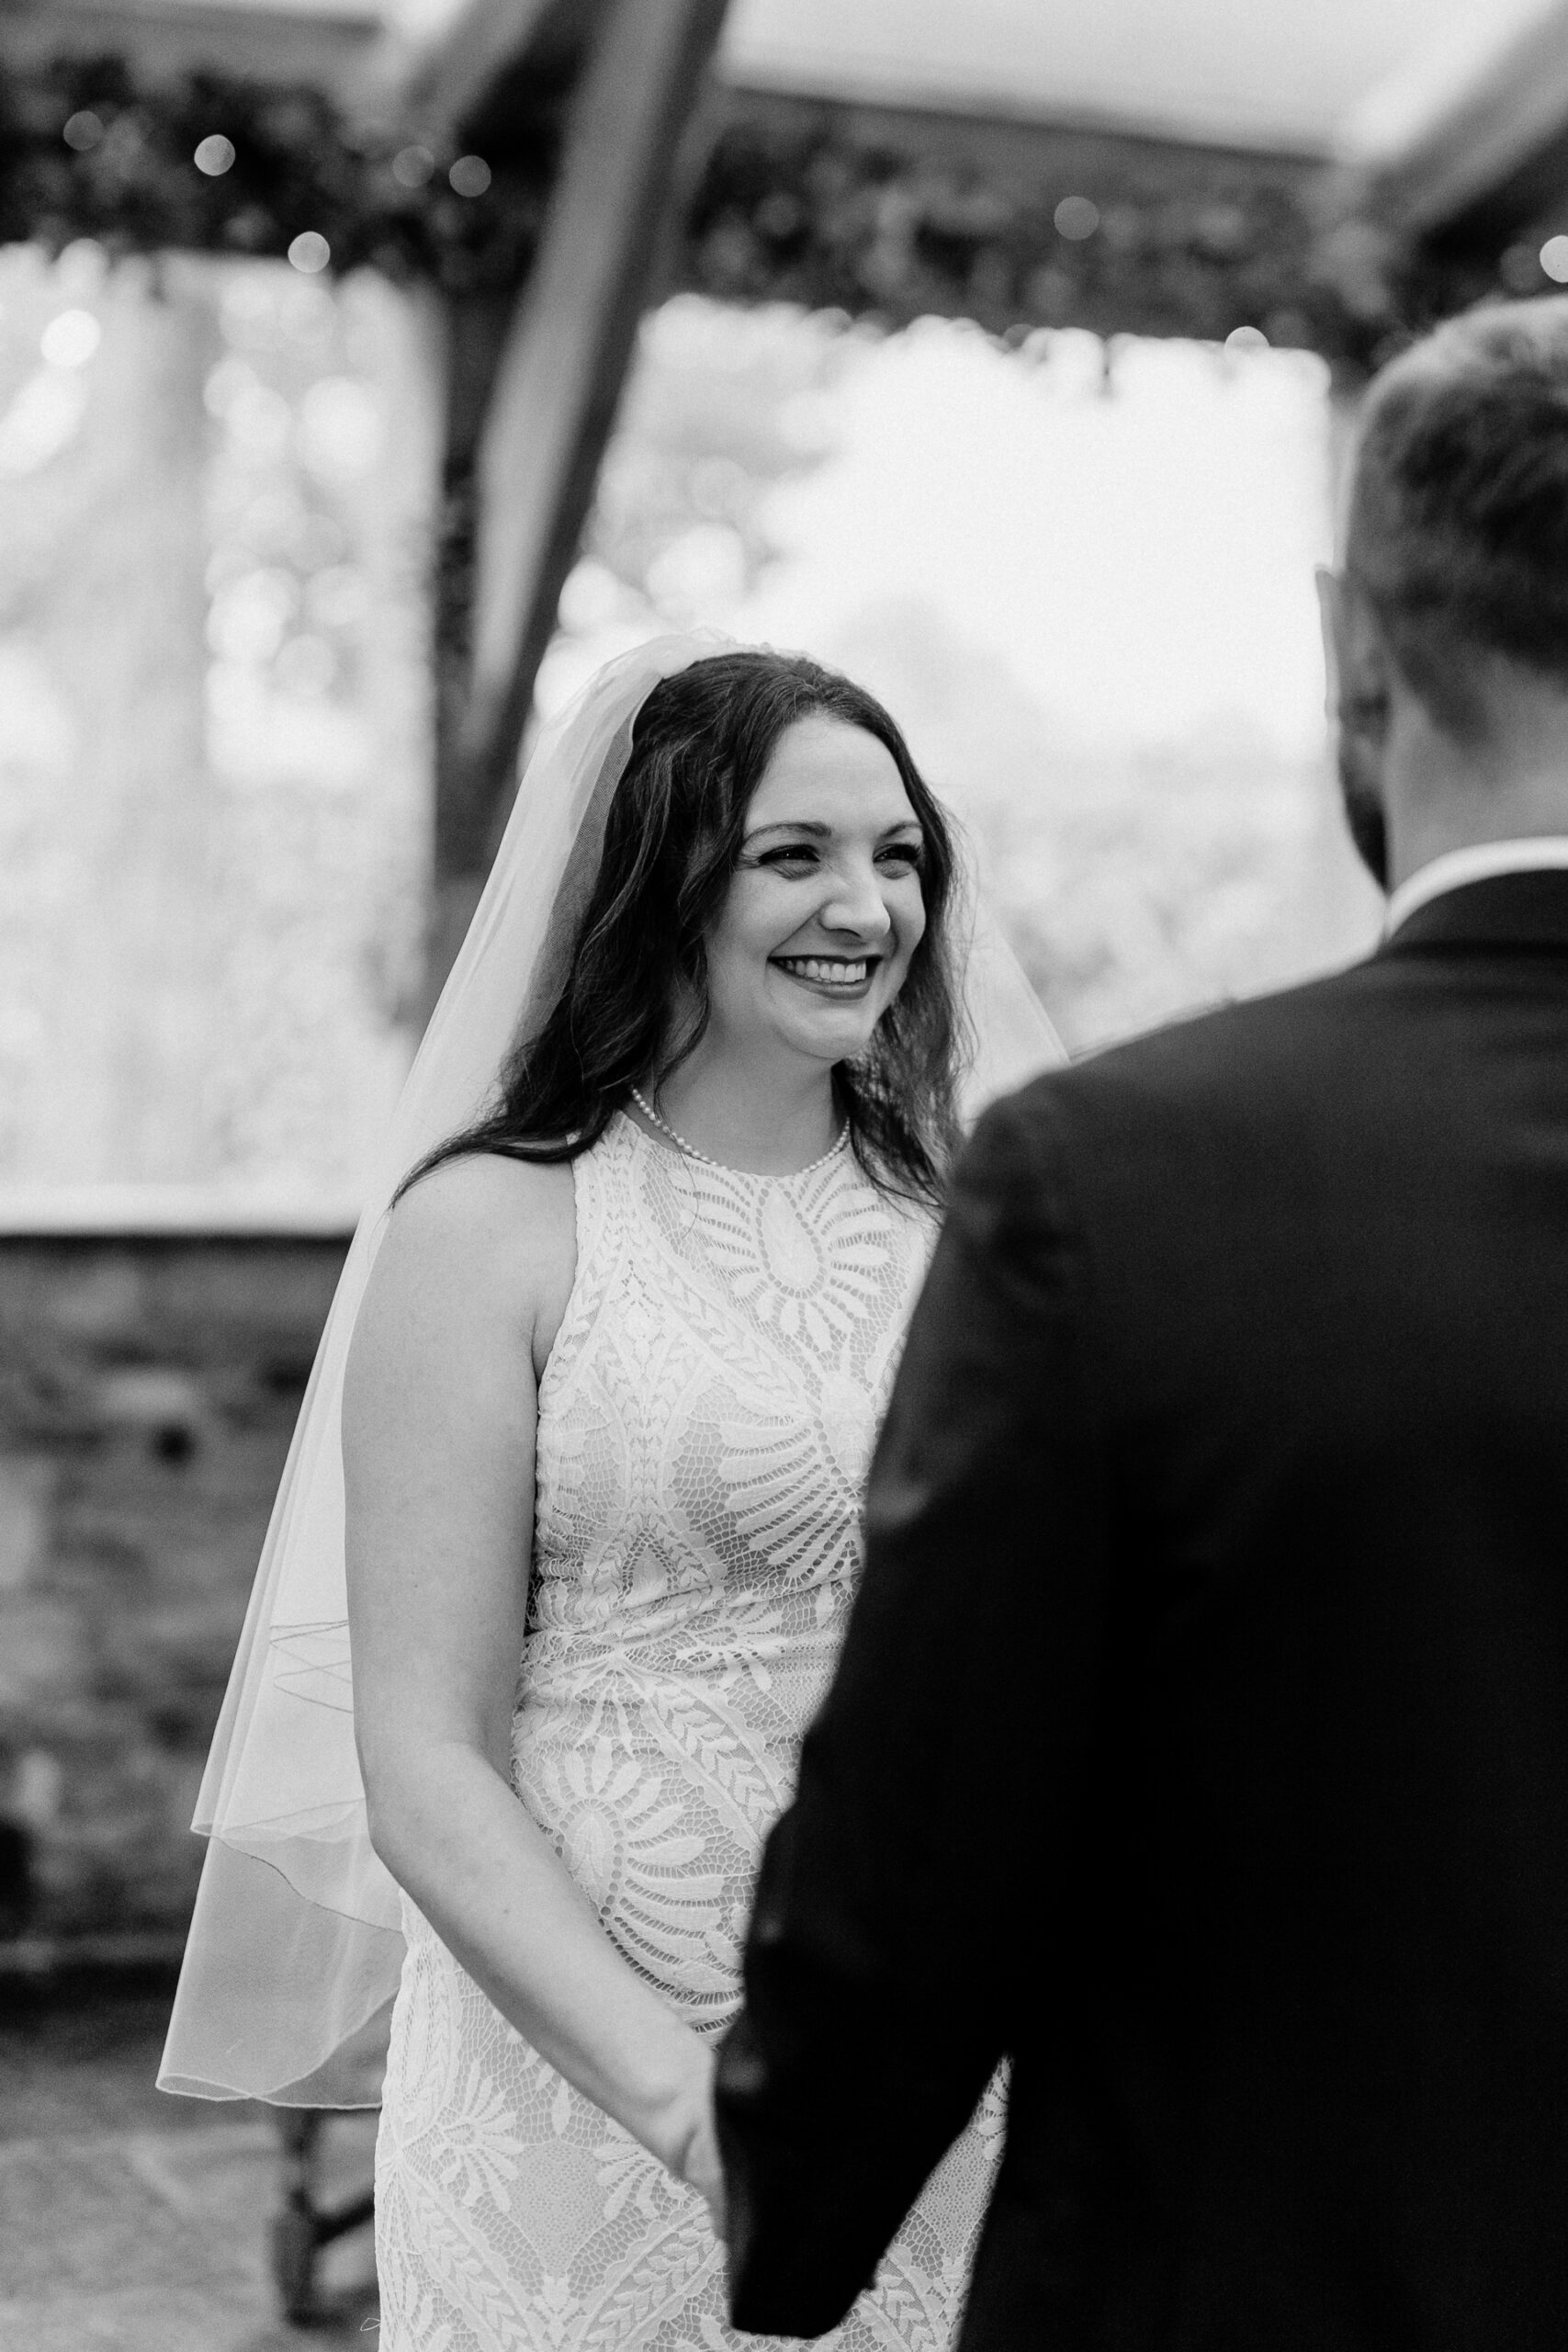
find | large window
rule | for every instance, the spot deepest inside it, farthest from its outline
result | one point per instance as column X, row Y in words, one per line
column 1080, row 577
column 216, row 487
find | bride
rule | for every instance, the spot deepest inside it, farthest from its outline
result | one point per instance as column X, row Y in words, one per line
column 608, row 1390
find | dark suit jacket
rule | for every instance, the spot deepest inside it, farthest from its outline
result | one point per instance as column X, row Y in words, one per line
column 1200, row 1740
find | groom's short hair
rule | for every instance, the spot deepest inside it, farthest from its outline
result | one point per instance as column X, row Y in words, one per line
column 1458, row 521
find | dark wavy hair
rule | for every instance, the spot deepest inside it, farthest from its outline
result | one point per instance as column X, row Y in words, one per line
column 700, row 745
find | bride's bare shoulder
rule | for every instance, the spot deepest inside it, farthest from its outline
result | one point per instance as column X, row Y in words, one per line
column 488, row 1196
column 481, row 1239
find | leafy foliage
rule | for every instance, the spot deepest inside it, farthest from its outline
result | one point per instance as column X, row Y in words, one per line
column 1022, row 226
column 127, row 177
column 872, row 212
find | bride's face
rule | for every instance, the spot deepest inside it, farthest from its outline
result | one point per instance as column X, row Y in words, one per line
column 825, row 909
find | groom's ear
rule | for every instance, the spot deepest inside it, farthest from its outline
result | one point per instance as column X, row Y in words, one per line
column 1355, row 657
column 1329, row 587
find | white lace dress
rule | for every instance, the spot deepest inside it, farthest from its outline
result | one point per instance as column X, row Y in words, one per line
column 705, row 1422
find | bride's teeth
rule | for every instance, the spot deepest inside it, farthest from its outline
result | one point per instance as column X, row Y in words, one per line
column 815, row 968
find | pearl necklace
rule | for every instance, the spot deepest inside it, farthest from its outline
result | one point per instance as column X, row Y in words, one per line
column 646, row 1107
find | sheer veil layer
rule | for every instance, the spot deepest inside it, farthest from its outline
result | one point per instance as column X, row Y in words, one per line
column 295, row 1947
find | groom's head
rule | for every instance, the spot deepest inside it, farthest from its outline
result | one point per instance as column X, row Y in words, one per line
column 1448, row 623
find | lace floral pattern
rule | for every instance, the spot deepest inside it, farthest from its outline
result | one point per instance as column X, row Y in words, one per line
column 706, row 1423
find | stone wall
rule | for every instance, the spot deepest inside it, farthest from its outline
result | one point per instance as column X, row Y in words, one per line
column 149, row 1386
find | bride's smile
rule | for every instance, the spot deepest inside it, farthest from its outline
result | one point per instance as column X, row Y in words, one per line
column 840, row 975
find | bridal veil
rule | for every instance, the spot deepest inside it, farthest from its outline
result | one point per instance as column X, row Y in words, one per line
column 296, row 1946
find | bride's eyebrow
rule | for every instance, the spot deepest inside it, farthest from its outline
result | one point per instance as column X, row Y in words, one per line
column 820, row 832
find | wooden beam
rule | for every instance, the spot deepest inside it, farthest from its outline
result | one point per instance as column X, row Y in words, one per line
column 1427, row 158
column 556, row 389
column 435, row 80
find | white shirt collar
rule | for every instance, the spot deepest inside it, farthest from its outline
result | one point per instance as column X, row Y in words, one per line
column 1477, row 864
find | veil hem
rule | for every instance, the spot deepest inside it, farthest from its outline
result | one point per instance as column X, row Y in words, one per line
column 279, row 1999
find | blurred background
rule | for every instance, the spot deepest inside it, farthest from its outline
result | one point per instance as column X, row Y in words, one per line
column 369, row 371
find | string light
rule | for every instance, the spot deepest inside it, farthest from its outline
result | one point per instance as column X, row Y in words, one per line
column 1077, row 218
column 469, row 176
column 210, row 161
column 310, row 252
column 70, row 340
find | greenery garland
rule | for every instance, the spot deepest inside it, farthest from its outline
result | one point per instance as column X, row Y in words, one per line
column 833, row 206
column 87, row 150
column 1021, row 227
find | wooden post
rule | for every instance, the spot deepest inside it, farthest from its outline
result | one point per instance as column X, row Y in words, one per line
column 554, row 403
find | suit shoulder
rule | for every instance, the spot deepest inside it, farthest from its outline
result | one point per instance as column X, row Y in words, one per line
column 1292, row 1037
column 1252, row 1084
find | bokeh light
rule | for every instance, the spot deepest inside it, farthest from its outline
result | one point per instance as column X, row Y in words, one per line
column 412, row 166
column 215, row 155
column 1554, row 259
column 1077, row 218
column 310, row 252
column 83, row 131
column 250, row 614
column 70, row 340
column 1243, row 339
column 82, row 268
column 469, row 176
column 41, row 421
column 340, row 429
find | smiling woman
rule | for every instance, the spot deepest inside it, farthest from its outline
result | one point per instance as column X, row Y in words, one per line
column 605, row 1398
column 609, row 1407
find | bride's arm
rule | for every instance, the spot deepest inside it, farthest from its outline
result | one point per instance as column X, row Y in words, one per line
column 439, row 1415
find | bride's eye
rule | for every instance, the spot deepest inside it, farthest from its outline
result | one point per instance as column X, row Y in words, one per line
column 789, row 858
column 903, row 857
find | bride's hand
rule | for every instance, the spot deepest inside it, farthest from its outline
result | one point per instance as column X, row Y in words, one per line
column 695, row 2155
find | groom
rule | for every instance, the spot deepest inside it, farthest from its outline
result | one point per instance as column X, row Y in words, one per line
column 1201, row 1742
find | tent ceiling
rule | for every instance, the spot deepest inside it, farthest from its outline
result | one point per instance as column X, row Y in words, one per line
column 1293, row 74
column 1286, row 75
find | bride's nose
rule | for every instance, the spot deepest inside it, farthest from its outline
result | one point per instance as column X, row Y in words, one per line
column 857, row 904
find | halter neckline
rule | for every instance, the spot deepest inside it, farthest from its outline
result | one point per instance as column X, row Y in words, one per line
column 692, row 1152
